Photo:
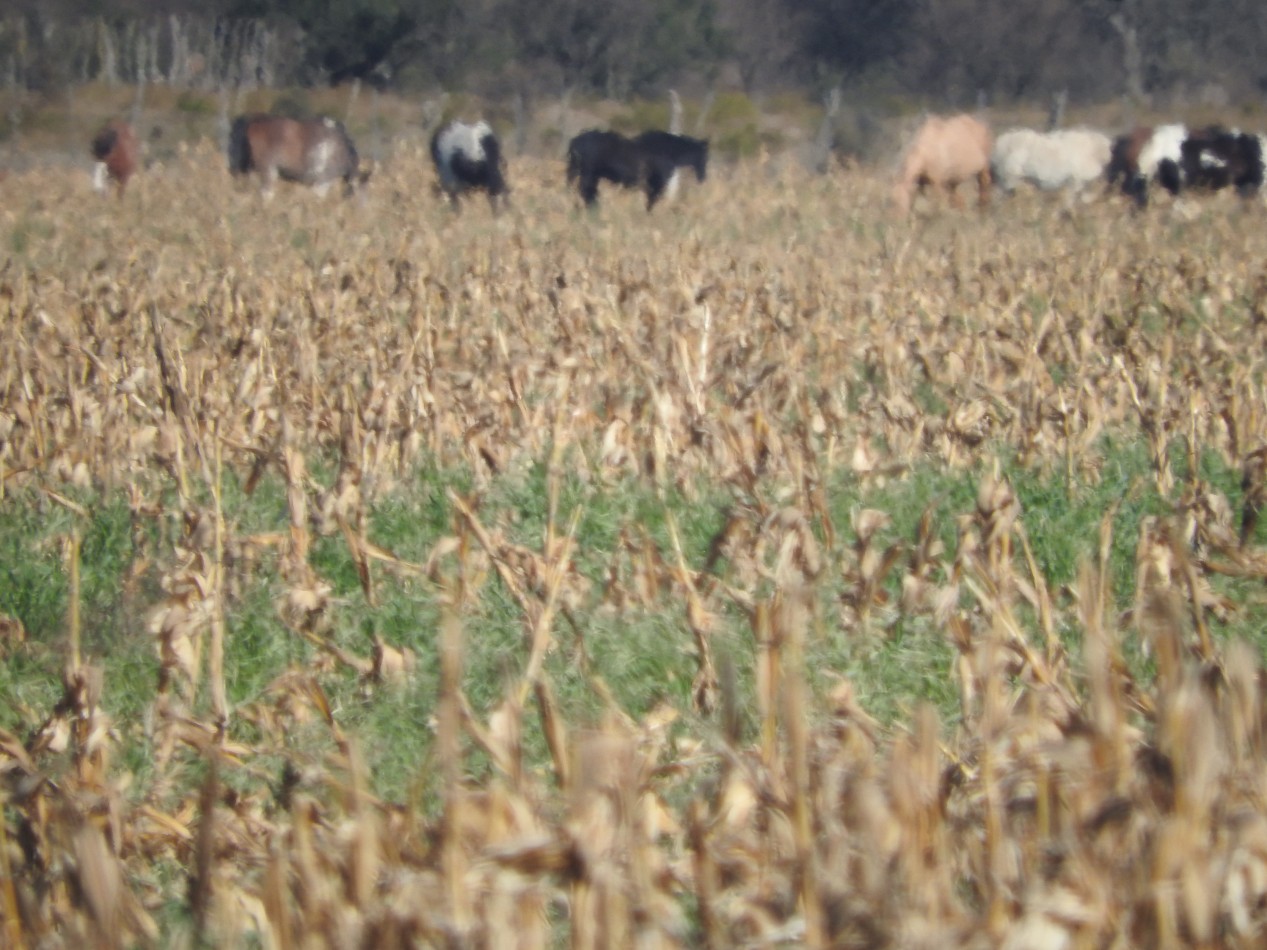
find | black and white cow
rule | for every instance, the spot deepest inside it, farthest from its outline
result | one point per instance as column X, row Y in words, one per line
column 1179, row 159
column 469, row 158
column 1215, row 158
column 1144, row 155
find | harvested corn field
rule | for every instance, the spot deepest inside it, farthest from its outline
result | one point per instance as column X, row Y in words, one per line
column 761, row 571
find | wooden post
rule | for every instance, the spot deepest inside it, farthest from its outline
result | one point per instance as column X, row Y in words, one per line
column 137, row 102
column 222, row 119
column 565, row 113
column 521, row 121
column 822, row 141
column 701, row 120
column 353, row 93
column 1056, row 116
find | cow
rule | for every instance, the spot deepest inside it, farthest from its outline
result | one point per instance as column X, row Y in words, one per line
column 469, row 158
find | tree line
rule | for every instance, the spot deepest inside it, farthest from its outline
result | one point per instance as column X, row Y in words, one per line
column 947, row 51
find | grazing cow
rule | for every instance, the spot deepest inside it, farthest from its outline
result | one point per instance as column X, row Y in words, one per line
column 1144, row 154
column 469, row 157
column 1215, row 158
column 117, row 153
column 945, row 152
column 1062, row 158
column 314, row 152
column 649, row 161
column 1124, row 157
column 682, row 150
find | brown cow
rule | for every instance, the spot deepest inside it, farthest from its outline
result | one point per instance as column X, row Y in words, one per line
column 118, row 155
column 316, row 152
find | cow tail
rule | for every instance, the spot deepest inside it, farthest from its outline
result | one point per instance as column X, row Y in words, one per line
column 239, row 147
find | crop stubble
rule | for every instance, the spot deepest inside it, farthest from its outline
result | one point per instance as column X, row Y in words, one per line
column 766, row 338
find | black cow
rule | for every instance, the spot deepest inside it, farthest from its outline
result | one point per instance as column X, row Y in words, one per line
column 649, row 162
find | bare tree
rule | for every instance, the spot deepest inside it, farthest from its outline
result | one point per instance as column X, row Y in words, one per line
column 1132, row 57
column 766, row 40
column 1023, row 49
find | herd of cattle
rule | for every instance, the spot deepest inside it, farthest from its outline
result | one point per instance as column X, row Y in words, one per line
column 948, row 151
column 319, row 152
column 945, row 152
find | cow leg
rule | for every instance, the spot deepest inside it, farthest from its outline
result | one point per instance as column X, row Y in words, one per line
column 655, row 188
column 268, row 181
column 952, row 191
column 1249, row 179
column 1136, row 188
column 670, row 190
column 984, row 181
column 99, row 176
column 1170, row 176
column 589, row 190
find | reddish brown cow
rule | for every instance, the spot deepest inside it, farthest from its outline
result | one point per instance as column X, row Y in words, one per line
column 118, row 155
column 316, row 152
column 1124, row 158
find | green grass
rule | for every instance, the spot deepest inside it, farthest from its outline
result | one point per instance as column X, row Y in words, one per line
column 642, row 656
column 29, row 231
column 35, row 588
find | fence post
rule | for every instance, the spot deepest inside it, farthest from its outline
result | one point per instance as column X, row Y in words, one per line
column 1056, row 116
column 822, row 141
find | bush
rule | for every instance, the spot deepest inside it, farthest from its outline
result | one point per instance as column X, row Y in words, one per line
column 732, row 108
column 642, row 115
column 552, row 140
column 741, row 142
column 857, row 134
column 191, row 103
column 294, row 104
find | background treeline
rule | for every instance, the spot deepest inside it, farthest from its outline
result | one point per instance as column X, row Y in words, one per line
column 943, row 51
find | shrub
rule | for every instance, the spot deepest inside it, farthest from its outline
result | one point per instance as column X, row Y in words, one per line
column 732, row 108
column 642, row 114
column 294, row 104
column 741, row 142
column 191, row 103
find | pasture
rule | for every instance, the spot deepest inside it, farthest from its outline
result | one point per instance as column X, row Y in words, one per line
column 764, row 570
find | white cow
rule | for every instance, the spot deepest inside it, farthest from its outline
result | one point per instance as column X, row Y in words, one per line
column 1064, row 158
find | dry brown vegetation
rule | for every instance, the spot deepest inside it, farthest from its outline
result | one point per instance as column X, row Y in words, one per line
column 771, row 334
